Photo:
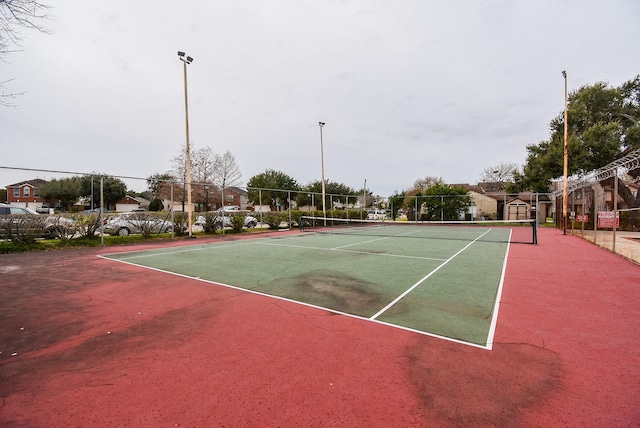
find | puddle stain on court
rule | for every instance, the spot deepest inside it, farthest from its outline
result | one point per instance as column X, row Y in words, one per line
column 495, row 390
column 331, row 290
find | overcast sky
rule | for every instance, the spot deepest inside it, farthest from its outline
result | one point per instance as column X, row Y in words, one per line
column 407, row 89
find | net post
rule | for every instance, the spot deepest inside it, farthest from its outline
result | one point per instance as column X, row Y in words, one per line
column 535, row 231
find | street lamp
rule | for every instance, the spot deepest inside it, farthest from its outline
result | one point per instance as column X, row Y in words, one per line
column 324, row 209
column 566, row 158
column 187, row 60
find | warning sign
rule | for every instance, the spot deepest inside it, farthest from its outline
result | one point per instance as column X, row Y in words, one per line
column 605, row 219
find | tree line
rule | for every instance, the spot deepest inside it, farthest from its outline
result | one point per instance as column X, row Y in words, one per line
column 603, row 125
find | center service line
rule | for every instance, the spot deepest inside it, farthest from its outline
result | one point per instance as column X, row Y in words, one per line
column 397, row 299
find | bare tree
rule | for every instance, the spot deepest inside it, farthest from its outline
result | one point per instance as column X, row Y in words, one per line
column 208, row 171
column 422, row 184
column 14, row 15
column 203, row 165
column 227, row 170
column 498, row 176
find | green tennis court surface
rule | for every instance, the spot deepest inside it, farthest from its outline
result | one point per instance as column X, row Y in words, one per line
column 443, row 287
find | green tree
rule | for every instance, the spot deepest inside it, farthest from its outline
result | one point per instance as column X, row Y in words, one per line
column 334, row 192
column 114, row 189
column 271, row 188
column 156, row 205
column 65, row 190
column 155, row 181
column 396, row 202
column 604, row 122
column 443, row 202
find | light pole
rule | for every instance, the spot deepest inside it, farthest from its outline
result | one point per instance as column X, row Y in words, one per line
column 206, row 197
column 324, row 209
column 566, row 158
column 187, row 60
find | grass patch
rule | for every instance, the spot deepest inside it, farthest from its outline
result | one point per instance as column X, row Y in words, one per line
column 8, row 247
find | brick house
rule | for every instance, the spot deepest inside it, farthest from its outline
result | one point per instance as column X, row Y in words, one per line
column 25, row 193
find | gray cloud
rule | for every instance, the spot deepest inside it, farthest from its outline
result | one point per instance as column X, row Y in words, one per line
column 407, row 88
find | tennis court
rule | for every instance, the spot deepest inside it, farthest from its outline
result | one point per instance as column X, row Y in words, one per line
column 90, row 341
column 442, row 281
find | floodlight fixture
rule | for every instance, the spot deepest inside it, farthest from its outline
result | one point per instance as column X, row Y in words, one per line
column 184, row 57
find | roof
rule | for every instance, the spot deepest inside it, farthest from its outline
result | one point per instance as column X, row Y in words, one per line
column 240, row 191
column 36, row 182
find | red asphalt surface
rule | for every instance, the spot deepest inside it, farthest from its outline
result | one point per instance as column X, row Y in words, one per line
column 101, row 343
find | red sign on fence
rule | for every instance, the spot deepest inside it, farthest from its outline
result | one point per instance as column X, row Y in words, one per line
column 605, row 219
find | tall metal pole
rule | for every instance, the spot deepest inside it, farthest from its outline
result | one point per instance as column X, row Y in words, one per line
column 324, row 208
column 102, row 210
column 364, row 200
column 615, row 210
column 186, row 61
column 566, row 158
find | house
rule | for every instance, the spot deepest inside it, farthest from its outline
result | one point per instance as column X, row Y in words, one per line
column 485, row 207
column 500, row 205
column 130, row 203
column 235, row 196
column 25, row 193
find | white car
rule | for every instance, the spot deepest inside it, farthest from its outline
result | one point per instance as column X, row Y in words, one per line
column 376, row 215
column 14, row 219
column 249, row 221
column 136, row 222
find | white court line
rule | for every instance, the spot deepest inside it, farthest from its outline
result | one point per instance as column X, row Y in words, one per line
column 159, row 252
column 359, row 243
column 496, row 307
column 272, row 296
column 339, row 249
column 410, row 289
column 488, row 346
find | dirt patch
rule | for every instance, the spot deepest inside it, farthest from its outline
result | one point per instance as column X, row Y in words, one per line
column 332, row 290
column 101, row 355
column 493, row 391
column 38, row 308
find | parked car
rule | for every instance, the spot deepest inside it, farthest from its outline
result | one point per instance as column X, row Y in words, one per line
column 136, row 222
column 376, row 215
column 249, row 221
column 17, row 220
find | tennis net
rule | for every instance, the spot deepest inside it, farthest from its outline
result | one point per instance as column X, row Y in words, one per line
column 513, row 231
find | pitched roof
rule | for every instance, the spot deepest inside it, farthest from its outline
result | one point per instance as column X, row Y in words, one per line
column 36, row 182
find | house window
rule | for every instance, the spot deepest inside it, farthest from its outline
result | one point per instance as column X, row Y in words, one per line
column 26, row 191
column 16, row 192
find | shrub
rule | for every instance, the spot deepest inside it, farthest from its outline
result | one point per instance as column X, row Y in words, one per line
column 210, row 223
column 180, row 223
column 156, row 205
column 23, row 229
column 274, row 219
column 237, row 222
